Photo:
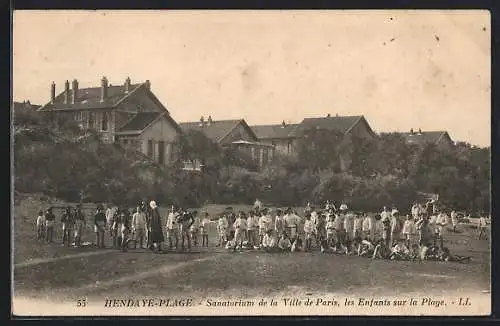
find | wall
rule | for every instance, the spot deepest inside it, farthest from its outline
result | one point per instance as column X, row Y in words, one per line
column 161, row 130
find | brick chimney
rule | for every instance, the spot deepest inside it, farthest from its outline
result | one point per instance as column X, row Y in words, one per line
column 75, row 91
column 283, row 124
column 419, row 131
column 66, row 92
column 202, row 121
column 104, row 89
column 328, row 115
column 411, row 131
column 53, row 92
column 148, row 84
column 209, row 121
column 127, row 85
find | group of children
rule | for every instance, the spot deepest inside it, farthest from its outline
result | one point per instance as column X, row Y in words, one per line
column 386, row 235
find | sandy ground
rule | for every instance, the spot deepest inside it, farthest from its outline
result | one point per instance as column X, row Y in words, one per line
column 50, row 279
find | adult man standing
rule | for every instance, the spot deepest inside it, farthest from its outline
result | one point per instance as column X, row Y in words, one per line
column 139, row 226
column 172, row 228
column 79, row 225
column 110, row 213
column 49, row 225
column 185, row 221
column 156, row 229
column 67, row 225
column 99, row 226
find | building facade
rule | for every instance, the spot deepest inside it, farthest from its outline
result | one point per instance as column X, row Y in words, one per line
column 129, row 114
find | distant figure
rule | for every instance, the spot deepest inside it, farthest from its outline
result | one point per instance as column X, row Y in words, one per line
column 156, row 229
column 454, row 220
column 257, row 204
column 110, row 212
column 482, row 228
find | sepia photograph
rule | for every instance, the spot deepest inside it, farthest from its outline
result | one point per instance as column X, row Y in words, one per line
column 240, row 162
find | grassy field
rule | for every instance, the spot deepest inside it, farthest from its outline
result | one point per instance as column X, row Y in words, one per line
column 213, row 272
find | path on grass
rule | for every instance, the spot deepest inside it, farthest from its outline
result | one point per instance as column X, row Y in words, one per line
column 38, row 261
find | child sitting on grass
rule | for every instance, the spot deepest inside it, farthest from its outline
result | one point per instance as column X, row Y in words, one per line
column 399, row 251
column 366, row 248
column 269, row 243
column 284, row 243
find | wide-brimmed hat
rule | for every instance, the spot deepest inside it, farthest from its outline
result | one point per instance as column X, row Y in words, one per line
column 394, row 212
column 152, row 204
column 343, row 207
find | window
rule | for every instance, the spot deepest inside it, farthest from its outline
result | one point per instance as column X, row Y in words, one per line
column 161, row 152
column 150, row 148
column 104, row 122
column 289, row 147
column 91, row 120
column 125, row 142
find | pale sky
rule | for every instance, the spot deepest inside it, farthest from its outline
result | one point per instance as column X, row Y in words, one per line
column 400, row 69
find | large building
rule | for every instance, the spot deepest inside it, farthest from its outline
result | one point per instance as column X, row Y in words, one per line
column 232, row 133
column 129, row 114
column 283, row 137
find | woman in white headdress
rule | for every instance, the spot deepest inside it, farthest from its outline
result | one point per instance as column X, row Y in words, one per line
column 156, row 234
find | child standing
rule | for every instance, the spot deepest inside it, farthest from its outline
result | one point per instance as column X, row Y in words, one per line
column 308, row 231
column 279, row 223
column 222, row 225
column 40, row 226
column 240, row 228
column 49, row 225
column 79, row 224
column 193, row 230
column 205, row 222
column 410, row 233
column 251, row 224
column 454, row 220
column 331, row 237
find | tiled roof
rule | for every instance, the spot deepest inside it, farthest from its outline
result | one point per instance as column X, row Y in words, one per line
column 424, row 137
column 140, row 121
column 91, row 97
column 215, row 131
column 273, row 131
column 25, row 105
column 337, row 123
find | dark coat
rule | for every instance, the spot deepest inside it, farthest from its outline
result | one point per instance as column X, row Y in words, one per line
column 156, row 234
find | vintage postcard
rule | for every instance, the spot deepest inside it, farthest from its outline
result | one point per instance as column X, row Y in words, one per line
column 214, row 163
